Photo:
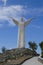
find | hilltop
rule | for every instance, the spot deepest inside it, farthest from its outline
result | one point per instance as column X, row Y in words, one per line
column 16, row 56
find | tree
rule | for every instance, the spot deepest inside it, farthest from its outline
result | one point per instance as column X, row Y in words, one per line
column 3, row 49
column 33, row 46
column 41, row 46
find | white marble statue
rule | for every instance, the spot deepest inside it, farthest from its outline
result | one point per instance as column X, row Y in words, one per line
column 21, row 34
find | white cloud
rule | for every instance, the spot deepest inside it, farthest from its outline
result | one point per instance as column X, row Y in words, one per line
column 10, row 11
column 33, row 11
column 16, row 11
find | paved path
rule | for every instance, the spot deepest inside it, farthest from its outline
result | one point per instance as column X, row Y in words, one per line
column 33, row 61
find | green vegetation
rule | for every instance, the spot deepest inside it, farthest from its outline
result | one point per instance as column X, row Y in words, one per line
column 32, row 46
column 41, row 46
column 3, row 49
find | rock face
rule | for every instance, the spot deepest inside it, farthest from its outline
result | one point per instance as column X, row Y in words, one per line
column 32, row 61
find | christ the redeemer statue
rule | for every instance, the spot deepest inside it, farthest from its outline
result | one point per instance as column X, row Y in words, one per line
column 21, row 34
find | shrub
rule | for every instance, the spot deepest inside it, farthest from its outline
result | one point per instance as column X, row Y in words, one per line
column 41, row 46
column 42, row 54
column 3, row 49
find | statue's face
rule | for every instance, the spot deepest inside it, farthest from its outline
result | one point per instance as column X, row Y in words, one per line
column 21, row 19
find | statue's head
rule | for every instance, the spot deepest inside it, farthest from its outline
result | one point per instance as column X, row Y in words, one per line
column 21, row 19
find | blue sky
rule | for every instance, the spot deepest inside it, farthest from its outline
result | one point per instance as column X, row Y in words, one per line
column 17, row 9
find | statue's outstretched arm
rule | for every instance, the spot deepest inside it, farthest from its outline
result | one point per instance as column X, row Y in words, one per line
column 28, row 21
column 15, row 21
